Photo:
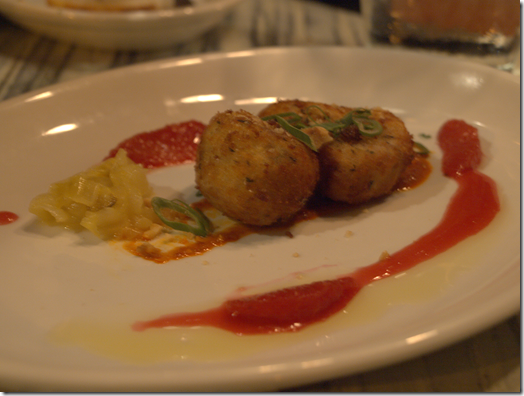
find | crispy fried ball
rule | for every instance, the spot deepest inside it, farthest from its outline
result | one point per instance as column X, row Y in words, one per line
column 252, row 171
column 355, row 168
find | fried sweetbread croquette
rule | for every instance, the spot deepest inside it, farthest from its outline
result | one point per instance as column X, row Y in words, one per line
column 254, row 172
column 355, row 168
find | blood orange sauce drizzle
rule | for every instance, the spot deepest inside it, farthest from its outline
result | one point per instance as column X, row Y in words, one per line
column 415, row 174
column 172, row 145
column 472, row 207
column 7, row 217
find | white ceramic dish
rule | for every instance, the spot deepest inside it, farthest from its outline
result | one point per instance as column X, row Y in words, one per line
column 49, row 276
column 140, row 30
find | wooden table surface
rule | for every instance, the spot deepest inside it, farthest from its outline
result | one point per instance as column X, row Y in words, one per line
column 489, row 361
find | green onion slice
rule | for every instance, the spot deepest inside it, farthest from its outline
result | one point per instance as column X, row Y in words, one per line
column 420, row 148
column 292, row 118
column 360, row 112
column 203, row 224
column 296, row 132
column 319, row 109
column 367, row 126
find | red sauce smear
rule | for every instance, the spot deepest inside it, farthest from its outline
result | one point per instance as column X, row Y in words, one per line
column 284, row 310
column 472, row 207
column 7, row 217
column 415, row 174
column 172, row 145
column 202, row 245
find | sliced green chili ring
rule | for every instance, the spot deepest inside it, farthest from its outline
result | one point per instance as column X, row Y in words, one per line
column 368, row 127
column 204, row 226
column 303, row 137
column 318, row 108
column 332, row 126
column 335, row 126
column 420, row 148
column 358, row 117
column 291, row 118
column 361, row 112
column 348, row 118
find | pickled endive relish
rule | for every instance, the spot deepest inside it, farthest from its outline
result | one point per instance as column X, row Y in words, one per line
column 112, row 200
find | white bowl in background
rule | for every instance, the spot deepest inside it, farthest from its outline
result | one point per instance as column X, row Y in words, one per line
column 133, row 30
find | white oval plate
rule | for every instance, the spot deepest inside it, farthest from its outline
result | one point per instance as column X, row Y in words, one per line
column 49, row 276
column 137, row 30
